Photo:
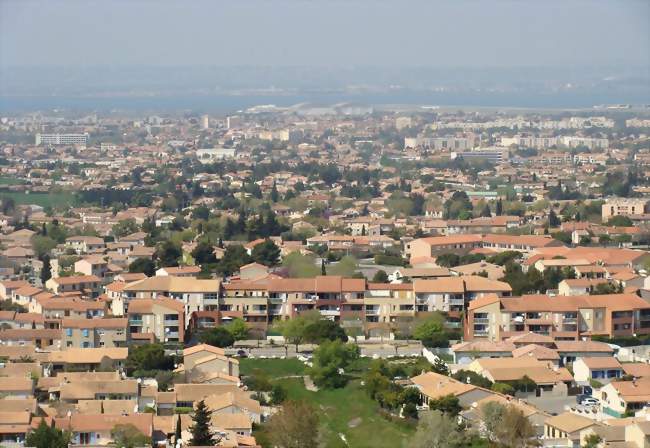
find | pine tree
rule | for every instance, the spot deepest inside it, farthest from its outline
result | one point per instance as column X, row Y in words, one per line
column 201, row 434
column 323, row 271
column 363, row 230
column 553, row 220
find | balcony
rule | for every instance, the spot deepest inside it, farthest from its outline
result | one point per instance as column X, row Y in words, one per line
column 135, row 321
column 457, row 302
column 372, row 311
column 481, row 320
column 481, row 333
column 167, row 322
column 330, row 312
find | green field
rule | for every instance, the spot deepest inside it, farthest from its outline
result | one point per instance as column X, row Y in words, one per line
column 348, row 411
column 271, row 367
column 58, row 199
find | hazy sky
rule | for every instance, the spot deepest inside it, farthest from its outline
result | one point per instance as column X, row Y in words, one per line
column 325, row 32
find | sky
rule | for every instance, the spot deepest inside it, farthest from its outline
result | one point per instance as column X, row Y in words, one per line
column 332, row 33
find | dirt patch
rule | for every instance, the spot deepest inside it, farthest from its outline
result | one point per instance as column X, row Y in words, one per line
column 355, row 422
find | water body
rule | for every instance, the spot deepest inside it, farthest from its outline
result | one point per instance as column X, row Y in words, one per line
column 229, row 103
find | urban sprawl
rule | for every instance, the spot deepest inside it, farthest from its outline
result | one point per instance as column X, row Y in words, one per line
column 335, row 276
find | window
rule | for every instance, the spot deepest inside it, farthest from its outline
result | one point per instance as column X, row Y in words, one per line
column 85, row 332
column 68, row 332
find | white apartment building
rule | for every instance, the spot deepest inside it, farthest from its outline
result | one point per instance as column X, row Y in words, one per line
column 62, row 139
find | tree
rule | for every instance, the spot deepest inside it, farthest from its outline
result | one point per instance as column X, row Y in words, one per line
column 168, row 254
column 553, row 220
column 329, row 359
column 201, row 212
column 503, row 388
column 266, row 253
column 507, row 425
column 45, row 436
column 274, row 193
column 124, row 227
column 438, row 430
column 46, row 271
column 217, row 336
column 323, row 271
column 238, row 329
column 201, row 434
column 278, row 394
column 234, row 257
column 447, row 404
column 429, row 327
column 485, row 211
column 128, row 436
column 380, row 277
column 149, row 357
column 42, row 245
column 448, row 260
column 324, row 330
column 471, row 377
column 294, row 330
column 144, row 265
column 592, row 441
column 203, row 253
column 294, row 426
column 178, row 432
column 499, row 208
column 346, row 267
column 620, row 221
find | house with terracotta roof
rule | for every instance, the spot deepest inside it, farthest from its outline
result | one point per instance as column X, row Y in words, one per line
column 546, row 376
column 42, row 338
column 88, row 285
column 601, row 369
column 95, row 429
column 179, row 271
column 619, row 398
column 433, row 386
column 205, row 363
column 565, row 429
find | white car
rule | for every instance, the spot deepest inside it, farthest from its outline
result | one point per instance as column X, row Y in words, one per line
column 590, row 402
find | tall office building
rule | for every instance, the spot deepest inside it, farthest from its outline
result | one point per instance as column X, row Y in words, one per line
column 205, row 122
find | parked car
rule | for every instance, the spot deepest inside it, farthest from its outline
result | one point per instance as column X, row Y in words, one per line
column 590, row 401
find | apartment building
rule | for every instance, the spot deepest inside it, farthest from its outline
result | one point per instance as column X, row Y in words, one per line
column 162, row 317
column 465, row 243
column 85, row 244
column 625, row 207
column 194, row 294
column 91, row 333
column 56, row 309
column 562, row 318
column 61, row 139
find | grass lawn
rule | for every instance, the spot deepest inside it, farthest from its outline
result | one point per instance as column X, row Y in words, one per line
column 272, row 367
column 351, row 412
column 59, row 199
column 347, row 411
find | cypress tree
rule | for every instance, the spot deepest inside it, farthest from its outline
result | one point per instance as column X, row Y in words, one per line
column 177, row 434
